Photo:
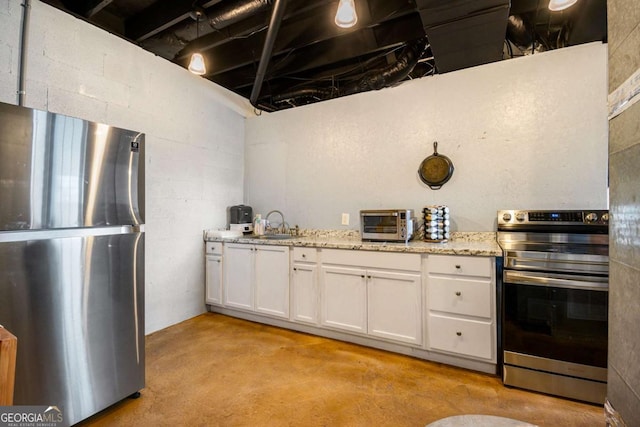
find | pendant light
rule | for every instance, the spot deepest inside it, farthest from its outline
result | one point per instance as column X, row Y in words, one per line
column 557, row 5
column 197, row 65
column 346, row 15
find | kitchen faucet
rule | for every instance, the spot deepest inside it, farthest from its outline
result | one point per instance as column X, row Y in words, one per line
column 283, row 225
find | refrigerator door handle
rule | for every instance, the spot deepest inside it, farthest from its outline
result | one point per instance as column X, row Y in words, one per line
column 137, row 228
column 23, row 236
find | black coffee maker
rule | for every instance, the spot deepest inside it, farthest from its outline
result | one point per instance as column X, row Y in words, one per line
column 241, row 218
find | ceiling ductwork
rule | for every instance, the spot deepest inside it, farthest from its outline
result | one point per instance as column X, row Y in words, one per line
column 172, row 43
column 226, row 13
column 309, row 59
column 391, row 75
column 520, row 32
column 372, row 80
column 532, row 30
column 464, row 33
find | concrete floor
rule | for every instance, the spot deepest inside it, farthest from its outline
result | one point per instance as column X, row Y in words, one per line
column 215, row 370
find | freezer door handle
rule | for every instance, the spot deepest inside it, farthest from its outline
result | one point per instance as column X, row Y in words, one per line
column 23, row 236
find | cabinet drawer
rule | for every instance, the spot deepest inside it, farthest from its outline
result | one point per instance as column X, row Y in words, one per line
column 467, row 337
column 460, row 265
column 471, row 297
column 372, row 259
column 305, row 254
column 213, row 248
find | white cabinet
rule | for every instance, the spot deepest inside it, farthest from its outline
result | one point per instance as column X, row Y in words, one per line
column 256, row 278
column 238, row 276
column 443, row 306
column 394, row 306
column 213, row 271
column 344, row 298
column 304, row 286
column 367, row 294
column 272, row 280
column 461, row 305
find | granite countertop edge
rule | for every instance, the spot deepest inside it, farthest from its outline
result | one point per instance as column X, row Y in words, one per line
column 473, row 244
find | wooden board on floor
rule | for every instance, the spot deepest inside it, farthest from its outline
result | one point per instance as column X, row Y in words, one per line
column 8, row 349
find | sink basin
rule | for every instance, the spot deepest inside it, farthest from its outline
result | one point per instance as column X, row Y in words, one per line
column 274, row 236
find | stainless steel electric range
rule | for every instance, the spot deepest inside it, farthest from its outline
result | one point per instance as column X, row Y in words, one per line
column 554, row 301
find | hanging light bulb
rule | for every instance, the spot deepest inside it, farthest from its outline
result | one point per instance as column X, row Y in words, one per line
column 557, row 5
column 196, row 64
column 346, row 15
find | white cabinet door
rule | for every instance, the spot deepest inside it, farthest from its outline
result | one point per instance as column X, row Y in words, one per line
column 213, row 290
column 304, row 293
column 394, row 306
column 238, row 276
column 344, row 298
column 272, row 280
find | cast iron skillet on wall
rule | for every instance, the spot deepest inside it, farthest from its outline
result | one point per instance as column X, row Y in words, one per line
column 436, row 169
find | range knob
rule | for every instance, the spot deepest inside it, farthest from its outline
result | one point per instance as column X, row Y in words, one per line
column 506, row 217
column 520, row 216
column 591, row 217
column 605, row 218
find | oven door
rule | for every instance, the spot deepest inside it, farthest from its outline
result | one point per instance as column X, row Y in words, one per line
column 553, row 316
column 380, row 225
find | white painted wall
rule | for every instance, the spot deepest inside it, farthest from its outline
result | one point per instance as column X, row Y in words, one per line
column 527, row 133
column 194, row 137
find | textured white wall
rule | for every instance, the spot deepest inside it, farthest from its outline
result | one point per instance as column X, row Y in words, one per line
column 524, row 133
column 194, row 137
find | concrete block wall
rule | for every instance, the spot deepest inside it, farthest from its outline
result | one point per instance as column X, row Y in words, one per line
column 194, row 137
column 527, row 133
column 623, row 390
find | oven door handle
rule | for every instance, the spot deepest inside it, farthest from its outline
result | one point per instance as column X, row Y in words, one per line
column 556, row 281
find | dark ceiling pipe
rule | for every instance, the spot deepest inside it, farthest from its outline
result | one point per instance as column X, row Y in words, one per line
column 22, row 63
column 314, row 93
column 227, row 13
column 388, row 76
column 272, row 33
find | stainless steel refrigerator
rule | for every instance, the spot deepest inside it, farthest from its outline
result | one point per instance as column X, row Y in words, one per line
column 72, row 259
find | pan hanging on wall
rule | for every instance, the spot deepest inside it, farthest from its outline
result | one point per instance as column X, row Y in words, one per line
column 436, row 169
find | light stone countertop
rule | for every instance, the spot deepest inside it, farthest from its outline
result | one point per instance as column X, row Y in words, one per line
column 461, row 243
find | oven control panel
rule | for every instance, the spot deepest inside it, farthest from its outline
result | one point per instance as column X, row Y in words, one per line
column 547, row 218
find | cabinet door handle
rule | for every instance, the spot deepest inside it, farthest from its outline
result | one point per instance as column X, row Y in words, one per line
column 458, row 266
column 304, row 255
column 295, row 269
column 368, row 277
column 362, row 275
column 218, row 261
column 459, row 333
column 458, row 293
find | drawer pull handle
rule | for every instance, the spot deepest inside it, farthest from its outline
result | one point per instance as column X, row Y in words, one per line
column 459, row 333
column 458, row 293
column 295, row 269
column 304, row 255
column 458, row 266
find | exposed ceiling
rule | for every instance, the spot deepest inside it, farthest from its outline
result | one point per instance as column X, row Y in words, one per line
column 300, row 56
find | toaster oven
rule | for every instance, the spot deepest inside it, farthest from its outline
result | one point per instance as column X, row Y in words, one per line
column 386, row 225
